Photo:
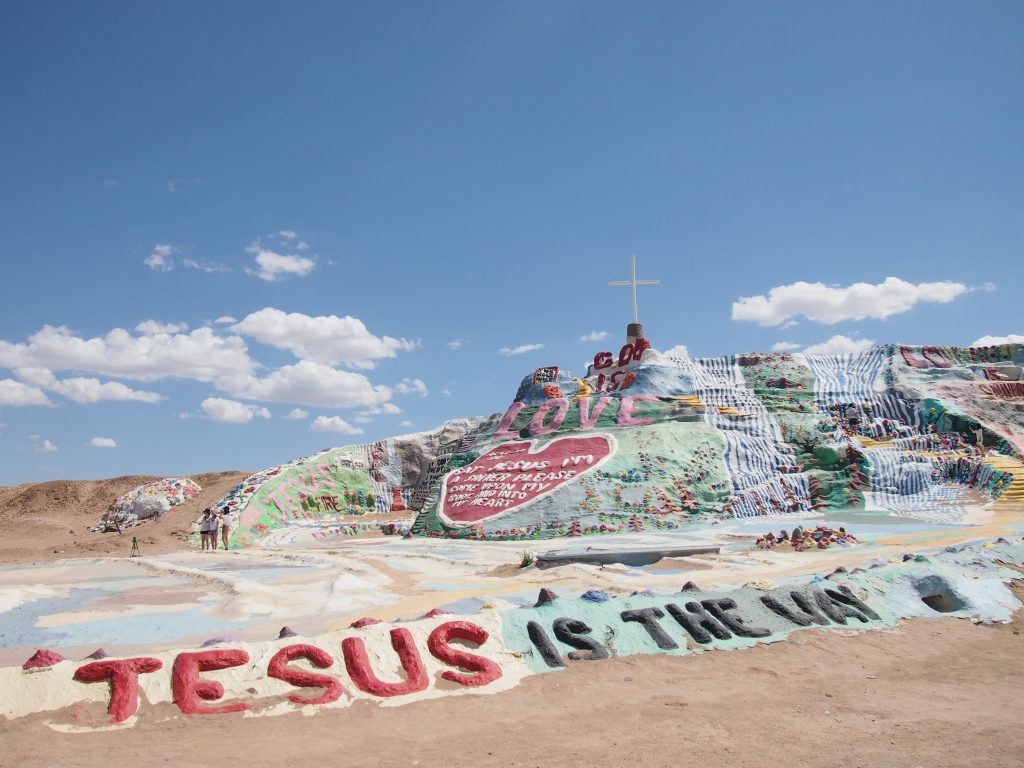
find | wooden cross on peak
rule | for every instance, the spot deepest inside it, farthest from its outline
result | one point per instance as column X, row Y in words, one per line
column 634, row 282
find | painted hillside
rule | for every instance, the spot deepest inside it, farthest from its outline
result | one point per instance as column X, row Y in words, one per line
column 647, row 442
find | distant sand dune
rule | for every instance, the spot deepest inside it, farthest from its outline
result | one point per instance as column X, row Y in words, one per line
column 48, row 521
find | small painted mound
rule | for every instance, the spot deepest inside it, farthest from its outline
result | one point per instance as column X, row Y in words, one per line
column 149, row 501
column 342, row 491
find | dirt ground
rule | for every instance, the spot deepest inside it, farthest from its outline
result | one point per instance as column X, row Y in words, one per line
column 932, row 693
column 42, row 522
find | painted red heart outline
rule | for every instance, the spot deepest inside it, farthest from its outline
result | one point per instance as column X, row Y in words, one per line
column 461, row 505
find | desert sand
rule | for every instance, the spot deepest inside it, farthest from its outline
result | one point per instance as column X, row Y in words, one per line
column 941, row 692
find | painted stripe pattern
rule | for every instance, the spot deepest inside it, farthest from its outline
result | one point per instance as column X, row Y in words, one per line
column 755, row 454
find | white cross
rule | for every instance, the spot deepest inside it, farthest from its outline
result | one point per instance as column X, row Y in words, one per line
column 634, row 282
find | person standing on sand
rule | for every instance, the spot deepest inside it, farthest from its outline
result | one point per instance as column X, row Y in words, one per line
column 205, row 523
column 201, row 522
column 225, row 529
column 214, row 525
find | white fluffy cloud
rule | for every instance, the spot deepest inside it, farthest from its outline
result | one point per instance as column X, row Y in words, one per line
column 88, row 390
column 82, row 389
column 153, row 327
column 455, row 344
column 160, row 260
column 37, row 377
column 308, row 383
column 271, row 265
column 785, row 346
column 158, row 350
column 405, row 423
column 326, row 339
column 679, row 350
column 595, row 336
column 103, row 442
column 521, row 349
column 839, row 345
column 225, row 320
column 334, row 424
column 992, row 341
column 831, row 304
column 409, row 386
column 200, row 355
column 297, row 414
column 221, row 409
column 15, row 393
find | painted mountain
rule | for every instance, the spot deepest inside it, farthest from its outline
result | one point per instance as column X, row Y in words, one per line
column 647, row 442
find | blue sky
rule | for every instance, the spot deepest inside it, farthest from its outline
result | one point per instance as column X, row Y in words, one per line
column 218, row 215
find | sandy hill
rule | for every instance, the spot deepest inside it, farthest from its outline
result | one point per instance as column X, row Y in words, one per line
column 46, row 521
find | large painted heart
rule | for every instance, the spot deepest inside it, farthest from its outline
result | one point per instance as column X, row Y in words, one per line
column 512, row 475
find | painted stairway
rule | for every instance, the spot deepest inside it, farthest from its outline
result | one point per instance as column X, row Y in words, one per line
column 1015, row 491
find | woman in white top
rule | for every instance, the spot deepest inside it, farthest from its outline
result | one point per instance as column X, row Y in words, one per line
column 225, row 529
column 214, row 525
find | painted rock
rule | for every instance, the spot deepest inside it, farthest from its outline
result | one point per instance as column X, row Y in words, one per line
column 545, row 596
column 43, row 658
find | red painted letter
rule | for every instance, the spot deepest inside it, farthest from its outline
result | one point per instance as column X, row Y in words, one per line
column 486, row 670
column 587, row 420
column 189, row 689
column 909, row 359
column 603, row 360
column 626, row 354
column 537, row 426
column 357, row 662
column 936, row 358
column 123, row 675
column 278, row 668
column 503, row 432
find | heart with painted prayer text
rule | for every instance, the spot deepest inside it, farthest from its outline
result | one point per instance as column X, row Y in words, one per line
column 514, row 474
